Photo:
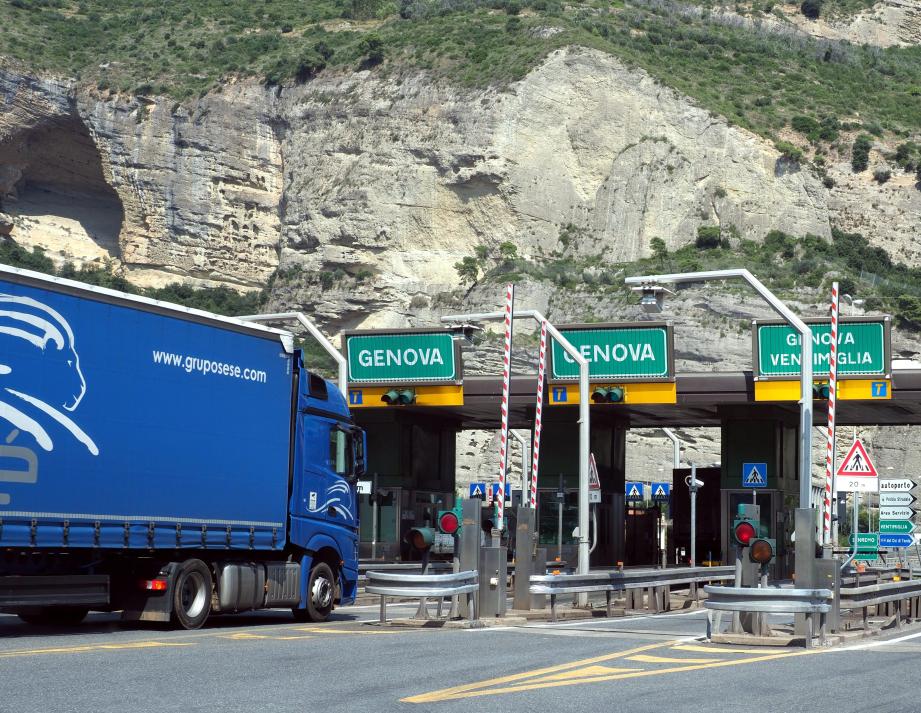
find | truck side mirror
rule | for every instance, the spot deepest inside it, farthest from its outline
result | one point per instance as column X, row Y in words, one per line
column 361, row 447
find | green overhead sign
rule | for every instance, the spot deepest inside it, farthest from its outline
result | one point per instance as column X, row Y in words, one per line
column 404, row 357
column 863, row 349
column 616, row 352
column 866, row 541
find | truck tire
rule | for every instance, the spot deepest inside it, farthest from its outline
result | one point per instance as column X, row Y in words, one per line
column 192, row 594
column 54, row 616
column 321, row 594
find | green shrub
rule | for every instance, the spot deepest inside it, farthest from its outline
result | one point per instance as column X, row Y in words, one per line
column 882, row 175
column 708, row 237
column 372, row 47
column 811, row 9
column 860, row 153
column 789, row 151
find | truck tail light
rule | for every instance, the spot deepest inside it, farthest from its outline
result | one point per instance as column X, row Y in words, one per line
column 153, row 585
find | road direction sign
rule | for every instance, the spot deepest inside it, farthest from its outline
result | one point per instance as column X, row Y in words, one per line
column 893, row 541
column 633, row 491
column 661, row 491
column 754, row 475
column 894, row 499
column 404, row 357
column 866, row 541
column 899, row 485
column 616, row 352
column 863, row 348
column 896, row 527
column 896, row 513
column 866, row 556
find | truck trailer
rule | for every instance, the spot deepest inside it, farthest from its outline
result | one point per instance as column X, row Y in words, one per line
column 166, row 462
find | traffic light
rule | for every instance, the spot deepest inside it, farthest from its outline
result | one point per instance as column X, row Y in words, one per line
column 607, row 394
column 449, row 521
column 762, row 550
column 421, row 538
column 820, row 390
column 399, row 397
column 747, row 525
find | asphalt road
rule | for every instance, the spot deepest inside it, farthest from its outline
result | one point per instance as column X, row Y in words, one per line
column 267, row 662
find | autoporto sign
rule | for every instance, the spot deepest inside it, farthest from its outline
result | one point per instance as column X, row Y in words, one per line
column 863, row 348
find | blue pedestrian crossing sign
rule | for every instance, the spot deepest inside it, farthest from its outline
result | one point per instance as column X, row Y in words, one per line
column 661, row 491
column 478, row 490
column 508, row 490
column 754, row 475
column 634, row 491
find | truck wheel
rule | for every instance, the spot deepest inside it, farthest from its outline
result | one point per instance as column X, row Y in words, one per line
column 192, row 594
column 321, row 594
column 54, row 616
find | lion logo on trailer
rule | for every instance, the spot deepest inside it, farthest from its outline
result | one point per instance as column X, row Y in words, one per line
column 41, row 383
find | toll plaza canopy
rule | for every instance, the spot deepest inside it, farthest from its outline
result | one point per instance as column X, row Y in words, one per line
column 700, row 400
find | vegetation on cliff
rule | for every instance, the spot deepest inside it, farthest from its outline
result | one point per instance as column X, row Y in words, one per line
column 756, row 78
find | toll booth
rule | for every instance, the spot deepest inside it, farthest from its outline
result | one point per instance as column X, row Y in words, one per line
column 399, row 382
column 558, row 485
column 709, row 534
column 755, row 441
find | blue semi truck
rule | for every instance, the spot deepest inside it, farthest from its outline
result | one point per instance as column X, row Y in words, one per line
column 166, row 462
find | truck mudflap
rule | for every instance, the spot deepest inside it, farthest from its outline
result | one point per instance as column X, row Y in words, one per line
column 348, row 585
column 85, row 590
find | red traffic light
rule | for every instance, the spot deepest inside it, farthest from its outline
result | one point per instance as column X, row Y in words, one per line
column 744, row 532
column 448, row 522
column 762, row 551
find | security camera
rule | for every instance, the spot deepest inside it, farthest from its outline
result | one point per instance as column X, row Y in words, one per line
column 465, row 331
column 652, row 297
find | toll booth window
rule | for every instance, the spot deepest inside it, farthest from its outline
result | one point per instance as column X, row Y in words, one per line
column 340, row 452
column 554, row 530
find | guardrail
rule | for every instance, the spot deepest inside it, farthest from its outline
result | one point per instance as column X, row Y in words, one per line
column 884, row 593
column 421, row 586
column 657, row 581
column 769, row 600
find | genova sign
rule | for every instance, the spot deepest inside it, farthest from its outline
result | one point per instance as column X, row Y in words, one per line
column 863, row 348
column 406, row 357
column 616, row 352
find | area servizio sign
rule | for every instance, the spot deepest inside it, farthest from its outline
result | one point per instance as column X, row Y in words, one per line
column 616, row 352
column 406, row 357
column 863, row 348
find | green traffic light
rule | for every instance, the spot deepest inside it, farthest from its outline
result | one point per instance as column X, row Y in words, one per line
column 608, row 394
column 400, row 397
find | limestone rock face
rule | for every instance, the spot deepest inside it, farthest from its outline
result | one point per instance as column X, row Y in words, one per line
column 200, row 188
column 401, row 181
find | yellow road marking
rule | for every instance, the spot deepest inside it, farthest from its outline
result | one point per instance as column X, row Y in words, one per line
column 323, row 630
column 584, row 674
column 89, row 648
column 244, row 636
column 713, row 649
column 528, row 681
column 462, row 691
column 645, row 658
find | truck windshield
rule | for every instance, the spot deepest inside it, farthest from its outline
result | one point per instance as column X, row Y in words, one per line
column 340, row 452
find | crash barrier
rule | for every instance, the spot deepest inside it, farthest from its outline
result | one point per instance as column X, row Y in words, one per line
column 423, row 586
column 405, row 567
column 769, row 600
column 893, row 600
column 657, row 582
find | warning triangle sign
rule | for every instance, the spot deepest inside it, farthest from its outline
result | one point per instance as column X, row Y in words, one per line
column 594, row 482
column 857, row 462
column 754, row 477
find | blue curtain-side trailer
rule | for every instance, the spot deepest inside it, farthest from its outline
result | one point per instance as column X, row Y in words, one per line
column 166, row 462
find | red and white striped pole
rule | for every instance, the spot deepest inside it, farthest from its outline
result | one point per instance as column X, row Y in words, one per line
column 541, row 371
column 830, row 439
column 506, row 385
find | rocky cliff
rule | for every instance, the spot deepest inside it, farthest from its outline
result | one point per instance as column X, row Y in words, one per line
column 362, row 192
